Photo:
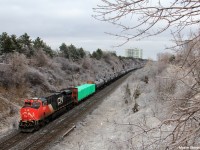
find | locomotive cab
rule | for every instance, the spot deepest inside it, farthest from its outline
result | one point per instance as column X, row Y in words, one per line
column 37, row 112
column 32, row 104
column 32, row 113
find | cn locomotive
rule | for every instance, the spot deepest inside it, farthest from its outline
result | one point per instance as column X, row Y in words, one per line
column 36, row 112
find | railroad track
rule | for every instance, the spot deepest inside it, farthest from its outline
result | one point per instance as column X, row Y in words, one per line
column 53, row 131
column 17, row 137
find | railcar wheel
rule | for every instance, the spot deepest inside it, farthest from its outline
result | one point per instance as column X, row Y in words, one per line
column 37, row 127
column 42, row 123
column 46, row 121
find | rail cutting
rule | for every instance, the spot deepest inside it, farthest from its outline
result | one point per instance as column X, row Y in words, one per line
column 37, row 112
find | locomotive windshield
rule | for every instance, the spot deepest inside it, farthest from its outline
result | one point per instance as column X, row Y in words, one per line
column 35, row 105
column 27, row 104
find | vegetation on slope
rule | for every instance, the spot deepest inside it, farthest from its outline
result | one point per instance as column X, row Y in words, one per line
column 30, row 68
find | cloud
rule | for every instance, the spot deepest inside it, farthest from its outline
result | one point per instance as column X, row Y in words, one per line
column 57, row 21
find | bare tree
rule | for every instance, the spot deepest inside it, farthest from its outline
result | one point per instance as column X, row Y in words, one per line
column 153, row 17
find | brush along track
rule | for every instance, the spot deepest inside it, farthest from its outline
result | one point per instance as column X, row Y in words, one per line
column 56, row 129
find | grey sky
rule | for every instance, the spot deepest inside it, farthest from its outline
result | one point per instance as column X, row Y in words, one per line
column 58, row 21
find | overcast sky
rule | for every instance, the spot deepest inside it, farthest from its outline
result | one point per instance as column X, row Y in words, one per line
column 69, row 21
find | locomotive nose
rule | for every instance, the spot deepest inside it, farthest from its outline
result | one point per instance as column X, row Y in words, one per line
column 26, row 114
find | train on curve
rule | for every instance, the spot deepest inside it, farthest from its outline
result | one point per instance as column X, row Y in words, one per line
column 37, row 112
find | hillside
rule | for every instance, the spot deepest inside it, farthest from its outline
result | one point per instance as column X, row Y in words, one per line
column 161, row 121
column 23, row 77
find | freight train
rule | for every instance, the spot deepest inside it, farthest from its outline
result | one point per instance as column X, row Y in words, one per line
column 36, row 112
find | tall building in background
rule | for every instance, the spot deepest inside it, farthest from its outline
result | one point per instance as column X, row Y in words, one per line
column 135, row 53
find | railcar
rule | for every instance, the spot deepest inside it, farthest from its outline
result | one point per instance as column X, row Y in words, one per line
column 99, row 83
column 79, row 93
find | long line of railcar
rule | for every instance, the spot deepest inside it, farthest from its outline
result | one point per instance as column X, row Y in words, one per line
column 38, row 111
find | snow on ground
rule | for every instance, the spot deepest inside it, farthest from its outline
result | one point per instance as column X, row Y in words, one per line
column 8, row 125
column 96, row 131
column 9, row 116
column 114, row 125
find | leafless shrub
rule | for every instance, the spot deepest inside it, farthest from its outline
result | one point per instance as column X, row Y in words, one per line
column 107, row 57
column 86, row 63
column 56, row 71
column 67, row 64
column 136, row 93
column 5, row 73
column 183, row 93
column 18, row 62
column 151, row 70
column 160, row 67
column 165, row 57
column 145, row 79
column 127, row 94
column 36, row 80
column 74, row 67
column 12, row 110
column 166, row 84
column 40, row 59
column 2, row 59
column 64, row 63
column 12, row 73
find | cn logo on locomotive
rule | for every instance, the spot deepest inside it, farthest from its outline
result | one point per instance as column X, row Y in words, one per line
column 60, row 100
